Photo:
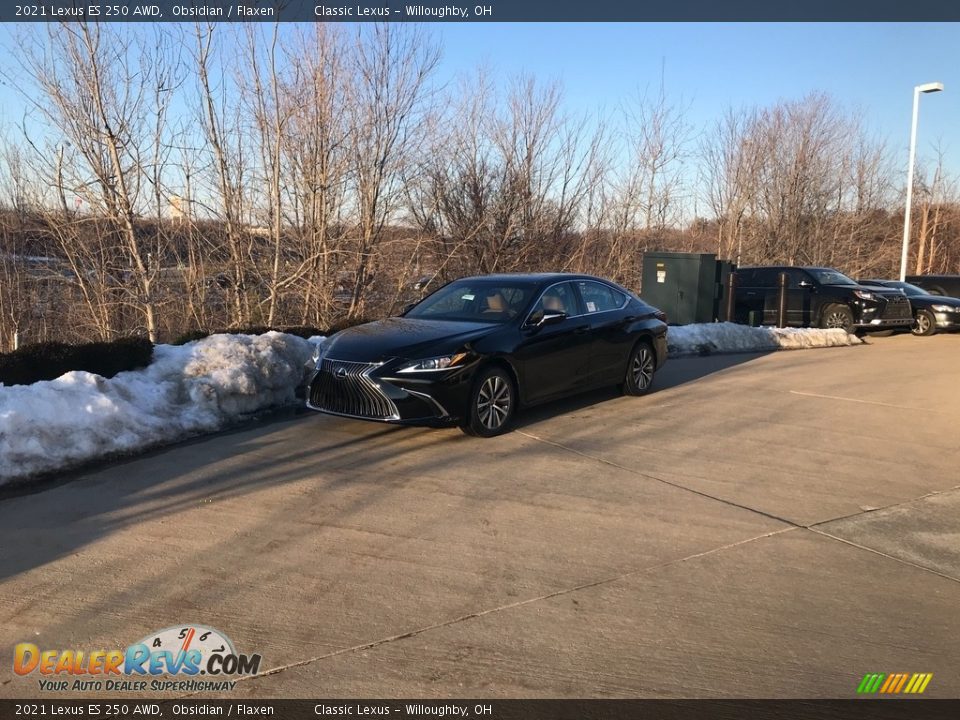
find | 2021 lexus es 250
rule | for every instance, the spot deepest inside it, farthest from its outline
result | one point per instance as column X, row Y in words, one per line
column 478, row 348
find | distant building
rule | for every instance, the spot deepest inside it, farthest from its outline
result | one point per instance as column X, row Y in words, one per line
column 179, row 208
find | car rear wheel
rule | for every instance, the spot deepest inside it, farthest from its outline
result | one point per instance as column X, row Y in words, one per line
column 924, row 323
column 493, row 402
column 640, row 369
column 837, row 316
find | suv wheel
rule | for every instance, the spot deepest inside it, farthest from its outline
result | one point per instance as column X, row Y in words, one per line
column 837, row 316
column 924, row 324
column 493, row 402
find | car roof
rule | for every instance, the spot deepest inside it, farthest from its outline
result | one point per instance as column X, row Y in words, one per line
column 533, row 277
column 793, row 267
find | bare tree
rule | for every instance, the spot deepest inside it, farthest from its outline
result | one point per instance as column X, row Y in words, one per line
column 97, row 85
column 228, row 164
column 391, row 65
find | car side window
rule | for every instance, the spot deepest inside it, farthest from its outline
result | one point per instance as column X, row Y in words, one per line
column 766, row 277
column 558, row 298
column 795, row 277
column 746, row 278
column 598, row 297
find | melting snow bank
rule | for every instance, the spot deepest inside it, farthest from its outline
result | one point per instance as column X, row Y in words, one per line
column 194, row 388
column 709, row 338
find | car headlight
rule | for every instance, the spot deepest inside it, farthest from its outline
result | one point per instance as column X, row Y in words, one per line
column 864, row 295
column 317, row 354
column 444, row 362
column 945, row 308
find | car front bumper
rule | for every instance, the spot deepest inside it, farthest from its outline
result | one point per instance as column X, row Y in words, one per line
column 884, row 313
column 885, row 323
column 947, row 320
column 370, row 391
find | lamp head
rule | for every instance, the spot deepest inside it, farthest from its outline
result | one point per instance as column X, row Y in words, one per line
column 930, row 87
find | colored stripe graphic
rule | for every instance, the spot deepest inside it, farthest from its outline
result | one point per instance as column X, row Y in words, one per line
column 894, row 683
column 871, row 682
column 903, row 679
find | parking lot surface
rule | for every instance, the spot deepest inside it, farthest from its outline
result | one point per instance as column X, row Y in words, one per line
column 761, row 526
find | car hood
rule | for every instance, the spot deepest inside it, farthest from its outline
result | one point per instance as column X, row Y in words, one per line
column 400, row 337
column 928, row 300
column 885, row 292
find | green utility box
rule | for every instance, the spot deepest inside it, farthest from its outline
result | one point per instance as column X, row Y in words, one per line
column 688, row 287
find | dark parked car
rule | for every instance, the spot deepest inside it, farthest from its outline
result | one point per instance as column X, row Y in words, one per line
column 948, row 285
column 930, row 312
column 819, row 297
column 478, row 348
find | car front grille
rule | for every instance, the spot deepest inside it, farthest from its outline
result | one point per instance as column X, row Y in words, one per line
column 345, row 388
column 897, row 308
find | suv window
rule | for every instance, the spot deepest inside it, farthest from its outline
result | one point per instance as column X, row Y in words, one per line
column 766, row 277
column 598, row 297
column 795, row 276
column 831, row 277
column 745, row 278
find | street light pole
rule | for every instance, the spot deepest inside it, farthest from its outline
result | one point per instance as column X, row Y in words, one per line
column 905, row 250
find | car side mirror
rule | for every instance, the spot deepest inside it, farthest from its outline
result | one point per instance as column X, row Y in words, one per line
column 540, row 318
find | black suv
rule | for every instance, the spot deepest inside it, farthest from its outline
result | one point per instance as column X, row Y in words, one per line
column 819, row 297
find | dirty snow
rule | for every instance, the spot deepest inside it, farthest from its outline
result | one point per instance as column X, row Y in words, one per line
column 709, row 338
column 205, row 385
column 194, row 388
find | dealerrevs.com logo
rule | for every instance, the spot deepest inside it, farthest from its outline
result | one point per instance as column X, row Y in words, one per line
column 183, row 658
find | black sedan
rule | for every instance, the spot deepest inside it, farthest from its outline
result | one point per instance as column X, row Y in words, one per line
column 478, row 348
column 930, row 312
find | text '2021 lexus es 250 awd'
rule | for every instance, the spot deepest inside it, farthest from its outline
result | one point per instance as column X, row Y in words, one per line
column 478, row 348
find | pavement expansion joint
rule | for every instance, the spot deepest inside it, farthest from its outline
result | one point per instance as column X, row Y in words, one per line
column 510, row 606
column 811, row 527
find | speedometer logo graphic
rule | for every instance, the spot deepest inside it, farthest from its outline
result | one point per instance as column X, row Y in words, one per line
column 182, row 638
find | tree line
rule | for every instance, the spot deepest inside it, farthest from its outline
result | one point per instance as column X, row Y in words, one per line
column 168, row 178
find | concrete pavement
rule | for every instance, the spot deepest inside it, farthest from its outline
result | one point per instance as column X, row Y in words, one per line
column 762, row 525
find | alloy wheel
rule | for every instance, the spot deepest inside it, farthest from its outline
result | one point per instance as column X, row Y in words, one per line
column 837, row 320
column 642, row 369
column 493, row 402
column 923, row 324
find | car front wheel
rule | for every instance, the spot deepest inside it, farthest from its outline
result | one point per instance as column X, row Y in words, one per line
column 493, row 402
column 837, row 316
column 640, row 369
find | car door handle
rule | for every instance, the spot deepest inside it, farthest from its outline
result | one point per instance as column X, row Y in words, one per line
column 581, row 330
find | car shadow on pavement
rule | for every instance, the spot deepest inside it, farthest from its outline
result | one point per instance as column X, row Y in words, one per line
column 361, row 463
column 676, row 372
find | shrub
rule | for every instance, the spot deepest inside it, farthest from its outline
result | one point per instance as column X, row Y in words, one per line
column 345, row 323
column 50, row 360
column 190, row 337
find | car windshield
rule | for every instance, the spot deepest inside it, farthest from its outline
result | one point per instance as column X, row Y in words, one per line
column 830, row 277
column 474, row 301
column 908, row 289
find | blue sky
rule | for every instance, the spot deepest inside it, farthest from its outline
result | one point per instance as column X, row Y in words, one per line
column 711, row 66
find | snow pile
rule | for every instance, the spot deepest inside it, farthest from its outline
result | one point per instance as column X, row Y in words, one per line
column 194, row 388
column 709, row 338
